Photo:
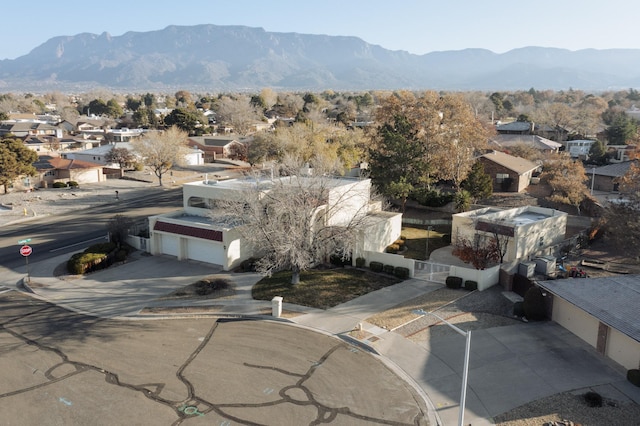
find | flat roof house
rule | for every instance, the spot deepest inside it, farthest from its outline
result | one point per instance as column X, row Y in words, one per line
column 530, row 229
column 194, row 234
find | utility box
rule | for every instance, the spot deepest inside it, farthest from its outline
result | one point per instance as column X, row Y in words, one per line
column 276, row 307
column 545, row 265
column 527, row 269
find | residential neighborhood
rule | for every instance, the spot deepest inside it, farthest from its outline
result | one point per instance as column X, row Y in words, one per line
column 493, row 224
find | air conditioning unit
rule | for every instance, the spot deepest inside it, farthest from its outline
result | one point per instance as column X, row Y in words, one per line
column 545, row 265
column 527, row 269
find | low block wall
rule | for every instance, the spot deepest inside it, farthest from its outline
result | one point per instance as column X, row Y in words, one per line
column 395, row 260
column 485, row 278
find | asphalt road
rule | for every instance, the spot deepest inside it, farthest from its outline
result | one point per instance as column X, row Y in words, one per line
column 64, row 233
column 60, row 368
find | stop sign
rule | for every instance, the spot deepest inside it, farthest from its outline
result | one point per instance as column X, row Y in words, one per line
column 25, row 250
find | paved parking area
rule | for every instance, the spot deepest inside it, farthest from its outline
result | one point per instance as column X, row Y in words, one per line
column 69, row 369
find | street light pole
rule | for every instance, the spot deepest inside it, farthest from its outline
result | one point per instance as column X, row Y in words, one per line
column 465, row 368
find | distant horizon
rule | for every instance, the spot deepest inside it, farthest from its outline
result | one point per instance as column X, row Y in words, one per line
column 414, row 26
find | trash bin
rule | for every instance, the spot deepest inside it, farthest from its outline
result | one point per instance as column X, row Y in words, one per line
column 276, row 306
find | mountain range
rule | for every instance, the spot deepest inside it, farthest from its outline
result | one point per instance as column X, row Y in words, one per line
column 214, row 58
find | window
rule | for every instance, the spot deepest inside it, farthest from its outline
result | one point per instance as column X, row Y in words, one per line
column 501, row 177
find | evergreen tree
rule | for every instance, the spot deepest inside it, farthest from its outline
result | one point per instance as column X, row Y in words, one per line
column 478, row 183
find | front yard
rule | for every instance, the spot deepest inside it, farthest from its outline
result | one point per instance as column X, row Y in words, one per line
column 321, row 288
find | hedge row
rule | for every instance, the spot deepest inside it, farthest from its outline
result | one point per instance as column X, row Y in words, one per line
column 96, row 257
column 398, row 271
column 456, row 282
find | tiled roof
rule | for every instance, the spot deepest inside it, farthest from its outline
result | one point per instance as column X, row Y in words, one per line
column 612, row 300
column 189, row 231
column 517, row 164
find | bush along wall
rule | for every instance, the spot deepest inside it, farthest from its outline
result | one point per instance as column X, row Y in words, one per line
column 375, row 266
column 453, row 282
column 470, row 285
column 401, row 272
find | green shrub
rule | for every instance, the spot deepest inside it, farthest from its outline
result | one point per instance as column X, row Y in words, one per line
column 432, row 198
column 375, row 266
column 401, row 272
column 393, row 248
column 593, row 399
column 94, row 257
column 72, row 184
column 633, row 376
column 59, row 185
column 446, row 238
column 207, row 286
column 337, row 260
column 388, row 269
column 533, row 305
column 453, row 282
column 360, row 262
column 471, row 285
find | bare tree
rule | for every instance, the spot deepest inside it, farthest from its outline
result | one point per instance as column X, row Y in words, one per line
column 238, row 112
column 296, row 222
column 567, row 179
column 161, row 151
column 121, row 156
column 480, row 251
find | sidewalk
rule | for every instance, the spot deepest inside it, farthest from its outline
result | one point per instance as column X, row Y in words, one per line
column 509, row 366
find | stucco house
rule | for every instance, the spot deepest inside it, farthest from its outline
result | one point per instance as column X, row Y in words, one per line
column 529, row 229
column 601, row 311
column 508, row 173
column 193, row 234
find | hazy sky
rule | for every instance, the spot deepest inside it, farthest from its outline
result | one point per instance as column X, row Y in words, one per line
column 417, row 26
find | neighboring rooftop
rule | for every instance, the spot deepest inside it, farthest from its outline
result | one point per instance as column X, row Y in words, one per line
column 612, row 300
column 517, row 164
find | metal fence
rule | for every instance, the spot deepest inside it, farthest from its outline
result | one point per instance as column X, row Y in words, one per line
column 431, row 271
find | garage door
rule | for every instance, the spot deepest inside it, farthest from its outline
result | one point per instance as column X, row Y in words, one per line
column 205, row 251
column 169, row 244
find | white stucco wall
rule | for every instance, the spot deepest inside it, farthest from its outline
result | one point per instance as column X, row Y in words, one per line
column 485, row 278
